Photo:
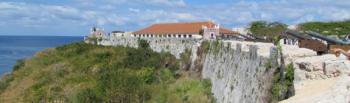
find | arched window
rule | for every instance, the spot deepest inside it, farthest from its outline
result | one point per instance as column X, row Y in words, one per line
column 179, row 35
column 190, row 36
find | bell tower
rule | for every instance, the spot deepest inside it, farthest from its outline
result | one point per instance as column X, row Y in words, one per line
column 211, row 31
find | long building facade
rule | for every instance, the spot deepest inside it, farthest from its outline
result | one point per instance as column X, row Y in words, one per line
column 197, row 30
column 175, row 31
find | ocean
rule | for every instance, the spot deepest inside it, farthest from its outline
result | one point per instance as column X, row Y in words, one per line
column 13, row 48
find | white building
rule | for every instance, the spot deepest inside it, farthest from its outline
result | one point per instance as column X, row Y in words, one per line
column 241, row 30
column 194, row 30
column 120, row 34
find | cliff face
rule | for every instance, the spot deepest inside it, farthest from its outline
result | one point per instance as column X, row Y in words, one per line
column 240, row 72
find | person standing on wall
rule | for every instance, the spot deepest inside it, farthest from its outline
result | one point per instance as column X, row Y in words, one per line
column 338, row 51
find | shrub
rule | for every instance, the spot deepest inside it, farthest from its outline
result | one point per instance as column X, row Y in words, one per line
column 19, row 64
column 82, row 72
column 281, row 85
column 186, row 58
column 143, row 44
column 5, row 82
column 205, row 46
column 86, row 96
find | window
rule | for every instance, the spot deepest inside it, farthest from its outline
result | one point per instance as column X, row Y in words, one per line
column 179, row 36
column 190, row 36
column 185, row 36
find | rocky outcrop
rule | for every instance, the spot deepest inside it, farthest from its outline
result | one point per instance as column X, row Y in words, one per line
column 321, row 79
column 311, row 68
column 318, row 68
column 291, row 53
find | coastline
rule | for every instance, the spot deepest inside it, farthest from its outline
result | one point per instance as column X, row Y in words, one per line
column 16, row 47
column 5, row 74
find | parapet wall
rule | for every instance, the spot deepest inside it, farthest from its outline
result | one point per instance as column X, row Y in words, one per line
column 175, row 46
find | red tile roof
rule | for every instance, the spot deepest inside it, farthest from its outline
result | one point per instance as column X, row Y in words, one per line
column 180, row 28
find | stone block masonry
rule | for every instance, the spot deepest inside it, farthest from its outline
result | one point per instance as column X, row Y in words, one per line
column 175, row 46
column 237, row 70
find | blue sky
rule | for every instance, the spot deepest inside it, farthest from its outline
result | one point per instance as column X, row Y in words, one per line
column 76, row 17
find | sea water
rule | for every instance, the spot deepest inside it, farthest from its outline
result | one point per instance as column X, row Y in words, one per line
column 13, row 48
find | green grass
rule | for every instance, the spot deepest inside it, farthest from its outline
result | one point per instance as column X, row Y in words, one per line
column 84, row 73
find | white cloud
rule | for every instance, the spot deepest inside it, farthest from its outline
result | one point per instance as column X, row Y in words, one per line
column 168, row 2
column 184, row 16
column 135, row 14
column 134, row 10
column 7, row 5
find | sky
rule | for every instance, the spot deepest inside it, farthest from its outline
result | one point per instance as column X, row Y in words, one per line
column 76, row 17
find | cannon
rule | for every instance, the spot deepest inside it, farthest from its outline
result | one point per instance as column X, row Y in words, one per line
column 297, row 35
column 328, row 39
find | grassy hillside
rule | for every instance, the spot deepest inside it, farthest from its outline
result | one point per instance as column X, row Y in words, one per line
column 83, row 73
column 339, row 28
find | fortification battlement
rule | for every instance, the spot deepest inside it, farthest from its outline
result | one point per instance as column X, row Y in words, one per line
column 170, row 40
column 178, row 45
column 266, row 50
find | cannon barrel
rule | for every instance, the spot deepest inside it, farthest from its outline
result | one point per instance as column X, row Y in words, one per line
column 297, row 35
column 328, row 39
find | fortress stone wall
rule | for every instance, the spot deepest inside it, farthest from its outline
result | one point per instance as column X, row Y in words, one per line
column 239, row 72
column 242, row 72
column 175, row 46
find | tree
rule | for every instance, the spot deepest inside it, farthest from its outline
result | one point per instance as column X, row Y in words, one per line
column 339, row 28
column 268, row 29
